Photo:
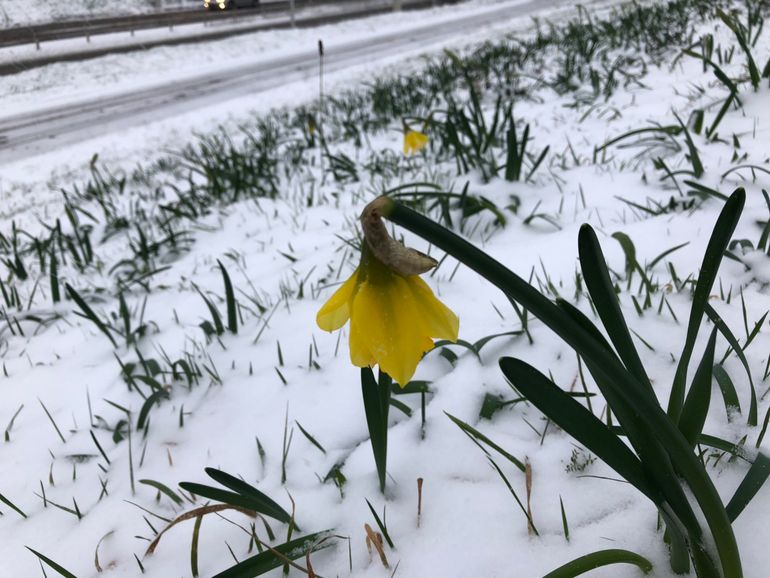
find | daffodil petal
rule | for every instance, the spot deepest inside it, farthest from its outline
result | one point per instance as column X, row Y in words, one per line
column 438, row 320
column 419, row 140
column 390, row 333
column 336, row 311
column 414, row 141
column 393, row 319
column 360, row 356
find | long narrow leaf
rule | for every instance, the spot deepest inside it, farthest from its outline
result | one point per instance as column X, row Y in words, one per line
column 267, row 506
column 215, row 317
column 276, row 556
column 720, row 238
column 597, row 560
column 480, row 437
column 729, row 395
column 655, row 460
column 660, row 425
column 232, row 308
column 696, row 406
column 577, row 421
column 163, row 489
column 600, row 287
column 376, row 421
column 11, row 505
column 725, row 331
column 88, row 313
column 231, row 498
column 59, row 569
column 751, row 484
column 144, row 413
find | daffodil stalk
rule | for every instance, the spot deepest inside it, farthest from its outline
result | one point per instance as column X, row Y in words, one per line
column 376, row 394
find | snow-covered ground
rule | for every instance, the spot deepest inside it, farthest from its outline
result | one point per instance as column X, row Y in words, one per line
column 267, row 393
column 65, row 83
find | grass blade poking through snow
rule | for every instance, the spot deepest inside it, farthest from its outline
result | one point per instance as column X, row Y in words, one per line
column 243, row 495
column 564, row 523
column 232, row 307
column 11, row 505
column 725, row 331
column 276, row 556
column 380, row 524
column 729, row 394
column 61, row 571
column 218, row 327
column 163, row 489
column 736, row 29
column 752, row 482
column 267, row 505
column 194, row 546
column 87, row 313
column 144, row 413
column 480, row 438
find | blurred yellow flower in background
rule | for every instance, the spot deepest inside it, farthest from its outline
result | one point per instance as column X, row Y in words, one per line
column 393, row 318
column 414, row 141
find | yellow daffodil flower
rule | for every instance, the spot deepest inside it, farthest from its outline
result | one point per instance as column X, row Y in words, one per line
column 414, row 141
column 393, row 318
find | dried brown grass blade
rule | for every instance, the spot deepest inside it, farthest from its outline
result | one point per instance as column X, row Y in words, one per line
column 194, row 514
column 419, row 500
column 528, row 481
column 375, row 539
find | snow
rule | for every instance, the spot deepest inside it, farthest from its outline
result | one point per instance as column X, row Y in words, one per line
column 470, row 525
column 64, row 83
column 25, row 12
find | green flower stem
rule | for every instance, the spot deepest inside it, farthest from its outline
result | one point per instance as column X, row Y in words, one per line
column 376, row 394
column 585, row 345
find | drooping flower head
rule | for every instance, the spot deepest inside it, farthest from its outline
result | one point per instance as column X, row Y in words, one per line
column 394, row 315
column 414, row 141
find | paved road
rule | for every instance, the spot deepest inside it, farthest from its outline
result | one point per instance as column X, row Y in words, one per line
column 49, row 129
column 317, row 13
column 107, row 25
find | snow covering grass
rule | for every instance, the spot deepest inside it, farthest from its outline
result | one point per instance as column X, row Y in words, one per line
column 163, row 323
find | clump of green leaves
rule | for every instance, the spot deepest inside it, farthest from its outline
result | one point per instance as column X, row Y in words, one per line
column 661, row 462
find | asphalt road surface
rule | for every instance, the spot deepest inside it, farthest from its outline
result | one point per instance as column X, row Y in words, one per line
column 49, row 129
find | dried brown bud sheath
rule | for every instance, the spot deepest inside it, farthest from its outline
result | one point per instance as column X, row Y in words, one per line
column 403, row 260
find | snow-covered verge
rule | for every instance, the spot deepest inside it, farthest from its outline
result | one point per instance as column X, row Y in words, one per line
column 121, row 380
column 26, row 12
